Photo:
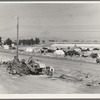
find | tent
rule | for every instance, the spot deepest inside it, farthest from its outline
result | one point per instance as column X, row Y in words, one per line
column 59, row 52
column 29, row 50
column 77, row 49
column 36, row 50
column 6, row 47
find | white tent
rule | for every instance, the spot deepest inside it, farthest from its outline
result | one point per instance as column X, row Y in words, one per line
column 84, row 48
column 29, row 50
column 59, row 52
column 12, row 45
column 6, row 47
column 36, row 50
column 77, row 49
column 98, row 55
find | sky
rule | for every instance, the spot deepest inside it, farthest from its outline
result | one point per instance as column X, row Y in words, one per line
column 60, row 21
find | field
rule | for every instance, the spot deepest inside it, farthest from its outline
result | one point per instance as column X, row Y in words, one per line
column 79, row 45
column 42, row 84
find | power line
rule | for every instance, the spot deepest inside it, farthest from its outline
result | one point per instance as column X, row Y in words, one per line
column 17, row 36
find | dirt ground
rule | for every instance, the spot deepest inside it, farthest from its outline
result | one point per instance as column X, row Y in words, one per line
column 42, row 84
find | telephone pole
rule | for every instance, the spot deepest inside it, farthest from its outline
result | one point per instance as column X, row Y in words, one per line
column 17, row 36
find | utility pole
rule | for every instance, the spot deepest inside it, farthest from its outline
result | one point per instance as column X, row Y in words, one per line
column 17, row 36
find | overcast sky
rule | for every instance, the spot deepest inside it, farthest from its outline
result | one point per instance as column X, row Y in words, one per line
column 63, row 21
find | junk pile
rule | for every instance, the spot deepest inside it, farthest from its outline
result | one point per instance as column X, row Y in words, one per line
column 78, row 76
column 24, row 67
column 97, row 60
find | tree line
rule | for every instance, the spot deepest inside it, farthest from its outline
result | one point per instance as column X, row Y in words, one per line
column 31, row 41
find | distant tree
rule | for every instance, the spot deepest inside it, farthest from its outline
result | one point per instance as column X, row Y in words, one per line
column 37, row 40
column 20, row 42
column 76, row 40
column 23, row 41
column 0, row 39
column 51, row 40
column 95, row 41
column 29, row 41
column 26, row 42
column 64, row 40
column 32, row 41
column 15, row 42
column 8, row 41
column 83, row 41
column 43, row 41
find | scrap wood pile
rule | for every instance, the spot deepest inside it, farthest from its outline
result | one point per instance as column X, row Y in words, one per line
column 87, row 79
column 17, row 68
column 24, row 67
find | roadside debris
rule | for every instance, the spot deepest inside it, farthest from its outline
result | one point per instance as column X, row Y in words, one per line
column 87, row 79
column 32, row 66
column 97, row 60
column 25, row 67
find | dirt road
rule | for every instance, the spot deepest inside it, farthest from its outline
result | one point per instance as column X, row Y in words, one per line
column 42, row 83
column 10, row 84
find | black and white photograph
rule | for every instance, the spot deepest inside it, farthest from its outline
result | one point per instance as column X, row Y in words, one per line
column 49, row 48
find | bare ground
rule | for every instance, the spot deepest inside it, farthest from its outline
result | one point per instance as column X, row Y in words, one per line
column 35, row 84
